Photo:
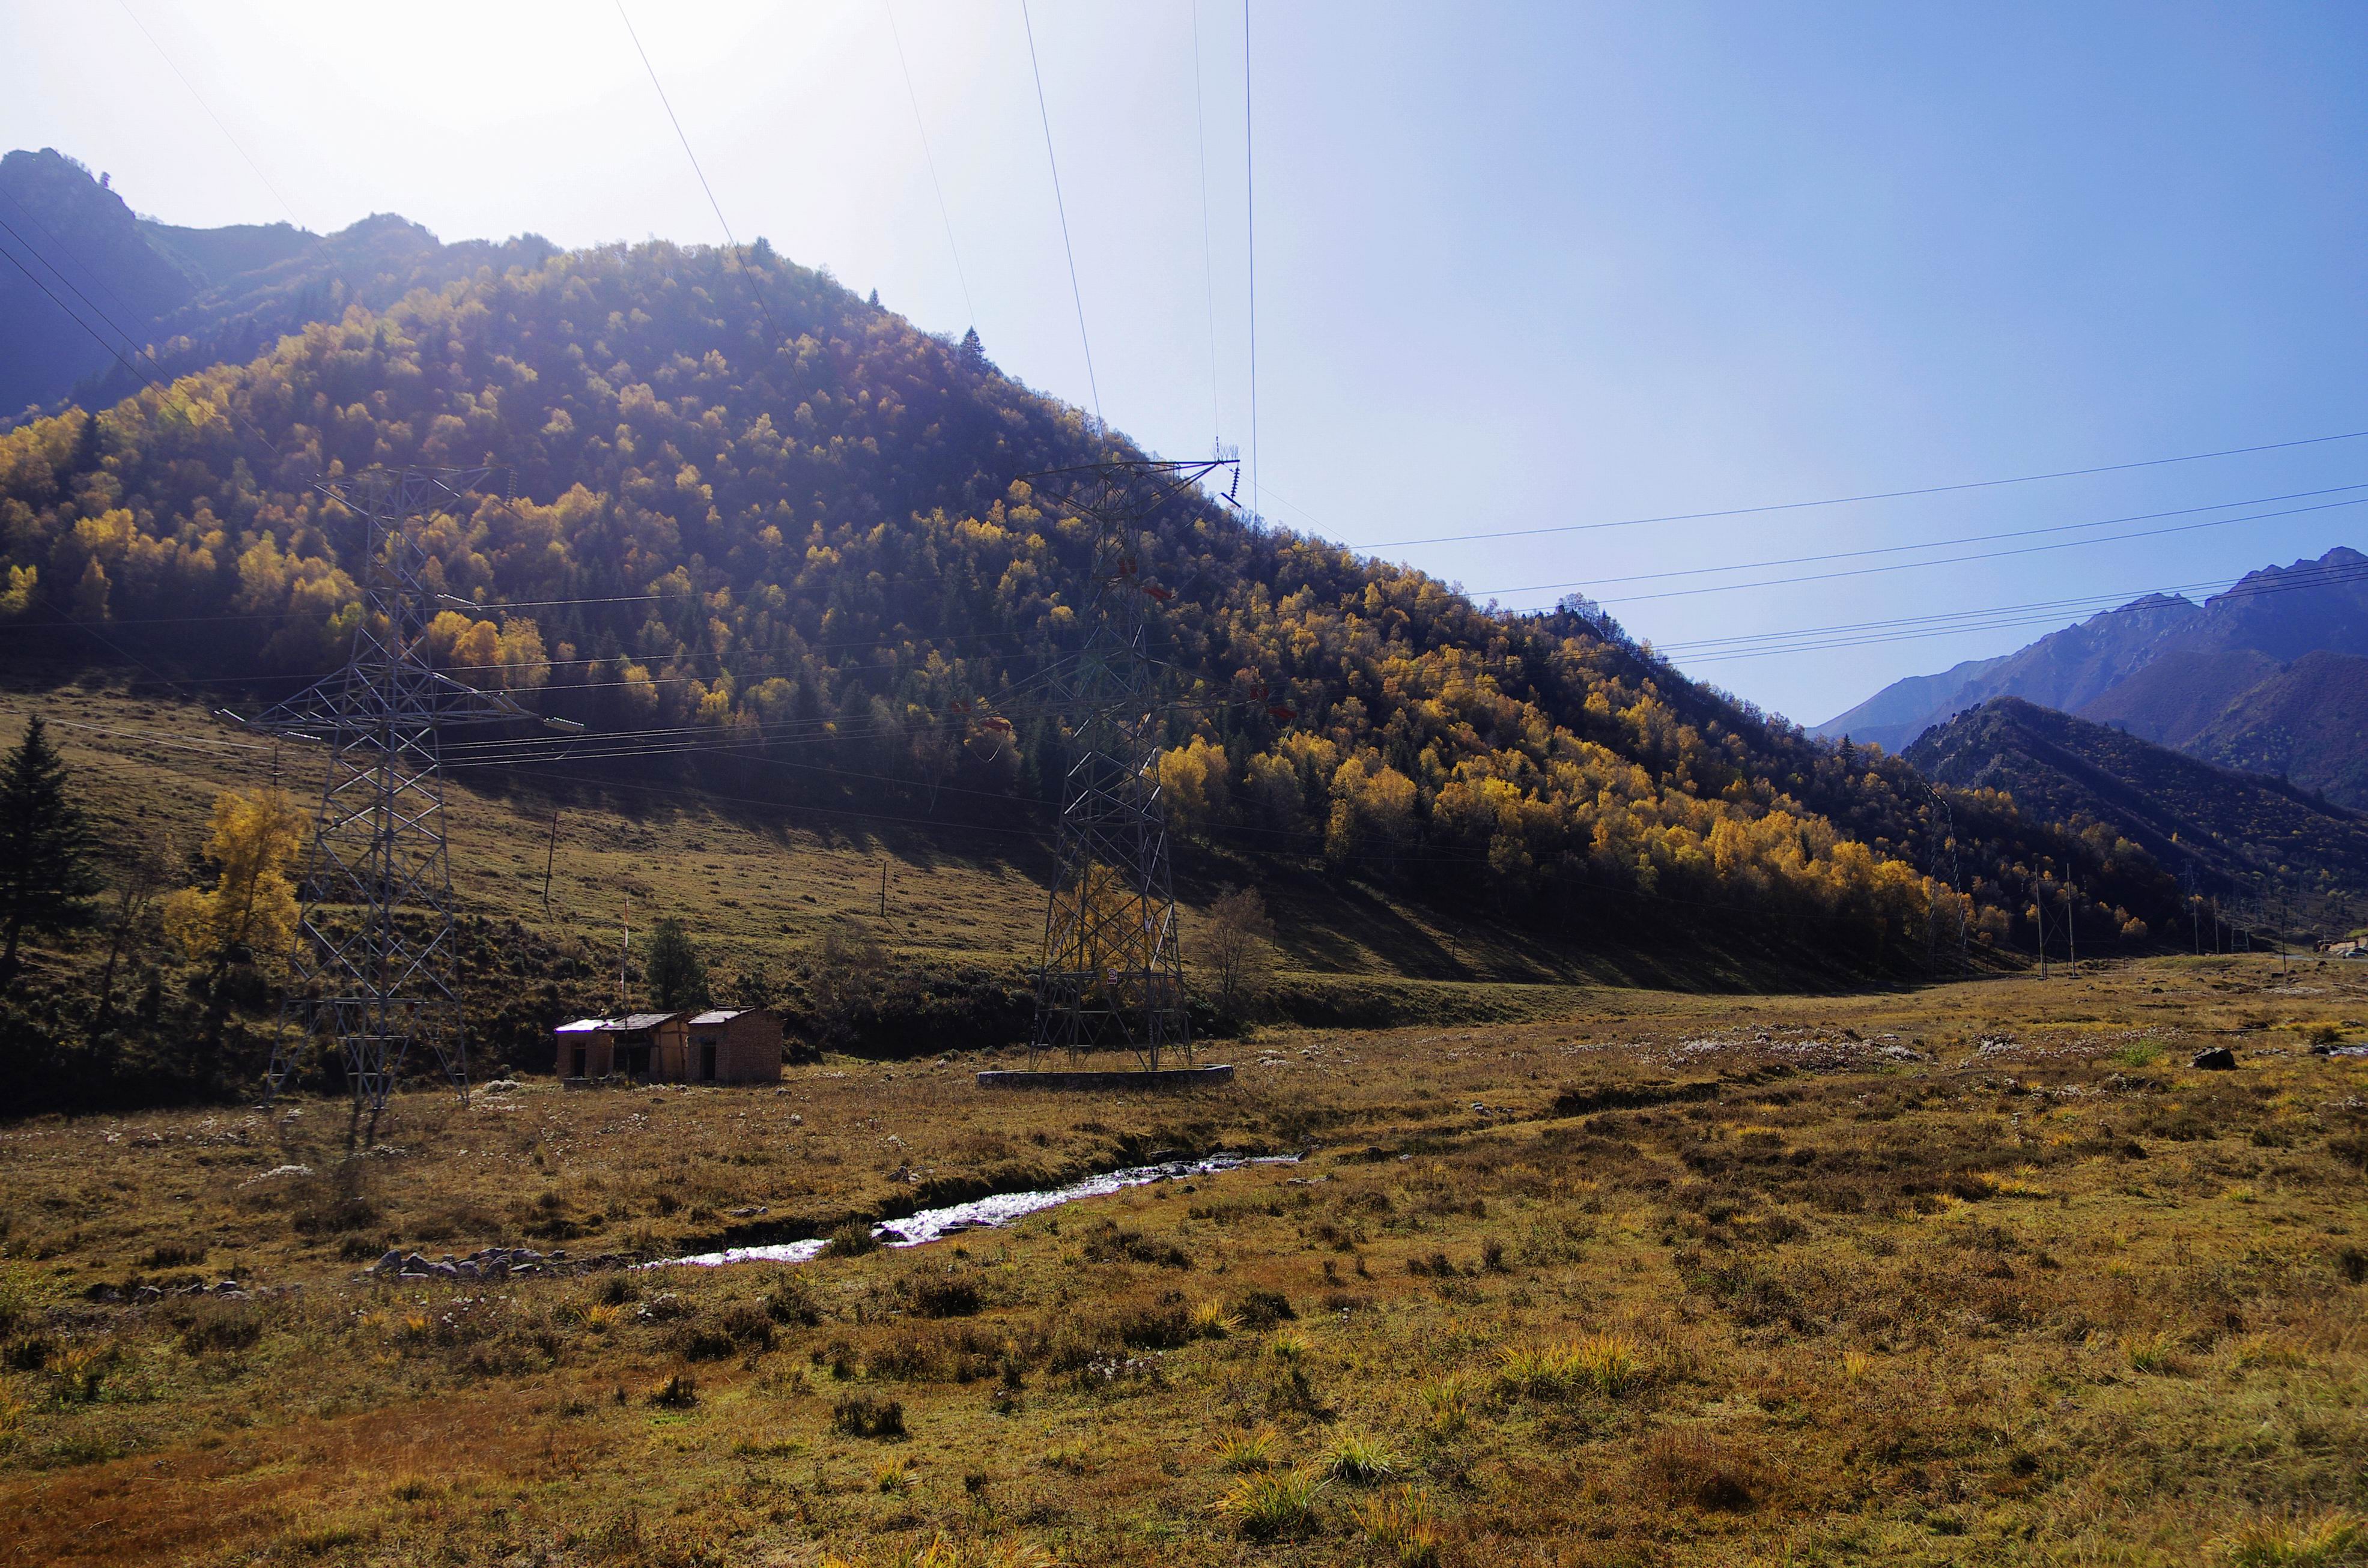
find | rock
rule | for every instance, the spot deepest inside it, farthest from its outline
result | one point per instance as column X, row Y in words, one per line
column 147, row 1293
column 390, row 1262
column 2215, row 1059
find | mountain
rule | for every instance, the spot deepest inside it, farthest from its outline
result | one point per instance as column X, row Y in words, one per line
column 2306, row 723
column 2169, row 671
column 768, row 539
column 96, row 288
column 2064, row 669
column 2244, row 835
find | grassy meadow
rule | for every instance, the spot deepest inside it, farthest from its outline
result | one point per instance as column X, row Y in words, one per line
column 1983, row 1272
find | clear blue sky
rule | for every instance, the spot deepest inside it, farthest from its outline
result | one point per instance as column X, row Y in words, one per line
column 1517, row 268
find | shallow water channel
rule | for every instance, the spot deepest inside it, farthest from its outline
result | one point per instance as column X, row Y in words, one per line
column 989, row 1212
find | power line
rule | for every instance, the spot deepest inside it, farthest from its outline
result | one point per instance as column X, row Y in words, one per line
column 233, row 141
column 1966, row 538
column 1061, row 207
column 1717, row 650
column 753, row 292
column 1943, row 560
column 930, row 157
column 1208, row 264
column 144, row 378
column 1249, row 187
column 1871, row 495
column 113, row 352
column 96, row 281
column 128, row 341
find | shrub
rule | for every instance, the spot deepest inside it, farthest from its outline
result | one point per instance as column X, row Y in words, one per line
column 1106, row 1242
column 1264, row 1507
column 862, row 1416
column 746, row 1325
column 945, row 1298
column 1691, row 1468
column 791, row 1302
column 1261, row 1310
column 17, row 1296
column 852, row 1239
column 173, row 1254
column 220, row 1326
column 678, row 1393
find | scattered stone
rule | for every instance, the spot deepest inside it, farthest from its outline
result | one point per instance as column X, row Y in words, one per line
column 278, row 1173
column 750, row 1212
column 2215, row 1059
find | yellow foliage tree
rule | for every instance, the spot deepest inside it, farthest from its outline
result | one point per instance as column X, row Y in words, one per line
column 251, row 908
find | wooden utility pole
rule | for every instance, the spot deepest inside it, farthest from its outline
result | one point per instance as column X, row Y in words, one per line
column 623, row 948
column 549, row 851
column 884, row 889
column 2071, row 930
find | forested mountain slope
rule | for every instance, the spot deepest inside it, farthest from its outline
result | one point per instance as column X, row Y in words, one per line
column 2242, row 835
column 767, row 534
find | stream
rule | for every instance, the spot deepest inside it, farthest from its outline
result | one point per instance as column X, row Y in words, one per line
column 985, row 1213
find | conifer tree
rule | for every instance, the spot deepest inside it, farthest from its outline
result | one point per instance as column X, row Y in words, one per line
column 677, row 979
column 45, row 845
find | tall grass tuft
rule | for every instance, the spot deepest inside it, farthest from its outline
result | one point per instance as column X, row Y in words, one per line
column 1245, row 1451
column 1609, row 1364
column 1265, row 1507
column 1361, row 1461
column 2319, row 1543
column 1398, row 1525
column 1210, row 1320
column 1446, row 1404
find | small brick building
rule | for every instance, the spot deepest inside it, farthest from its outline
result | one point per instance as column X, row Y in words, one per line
column 724, row 1045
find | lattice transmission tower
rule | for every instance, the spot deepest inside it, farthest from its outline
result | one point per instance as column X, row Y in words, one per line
column 1113, row 976
column 1940, row 852
column 376, row 969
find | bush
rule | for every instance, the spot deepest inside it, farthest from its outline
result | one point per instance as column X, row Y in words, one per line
column 791, row 1302
column 944, row 1298
column 1261, row 1310
column 678, row 1393
column 861, row 1415
column 1693, row 1468
column 853, row 1239
column 220, row 1326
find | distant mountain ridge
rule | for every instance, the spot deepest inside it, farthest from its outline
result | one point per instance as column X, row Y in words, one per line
column 170, row 299
column 2175, row 673
column 2240, row 833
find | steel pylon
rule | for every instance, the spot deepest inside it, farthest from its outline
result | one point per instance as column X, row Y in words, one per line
column 1112, row 973
column 375, row 972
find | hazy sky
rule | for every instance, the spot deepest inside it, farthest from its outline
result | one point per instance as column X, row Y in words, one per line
column 1518, row 267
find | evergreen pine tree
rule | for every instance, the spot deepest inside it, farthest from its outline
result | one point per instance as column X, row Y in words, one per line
column 45, row 845
column 677, row 978
column 973, row 352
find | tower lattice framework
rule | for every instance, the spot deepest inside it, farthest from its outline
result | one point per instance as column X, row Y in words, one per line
column 1113, row 976
column 375, row 973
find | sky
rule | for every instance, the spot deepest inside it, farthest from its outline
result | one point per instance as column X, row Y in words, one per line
column 1517, row 268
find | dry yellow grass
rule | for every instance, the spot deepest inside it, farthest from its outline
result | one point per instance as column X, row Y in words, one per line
column 1902, row 1277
